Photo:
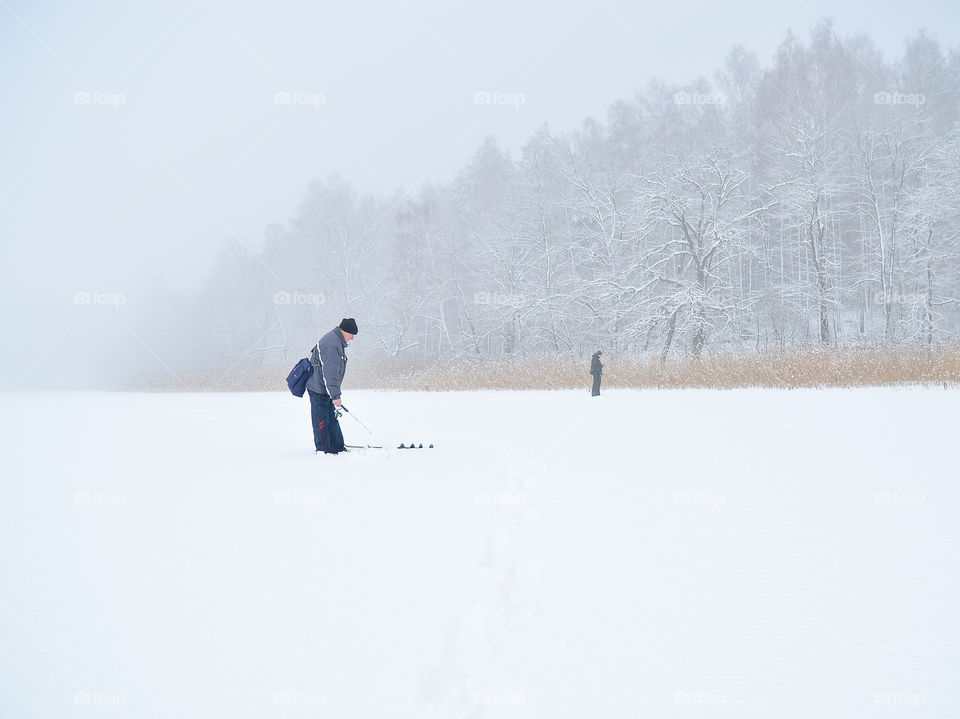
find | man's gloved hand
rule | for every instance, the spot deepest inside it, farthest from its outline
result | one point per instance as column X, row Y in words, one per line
column 337, row 409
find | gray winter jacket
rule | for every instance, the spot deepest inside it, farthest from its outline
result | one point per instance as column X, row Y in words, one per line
column 329, row 365
column 596, row 366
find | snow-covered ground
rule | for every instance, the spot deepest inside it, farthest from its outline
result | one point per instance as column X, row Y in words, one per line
column 644, row 554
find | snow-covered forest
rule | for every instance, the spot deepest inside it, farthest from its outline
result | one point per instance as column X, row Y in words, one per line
column 811, row 202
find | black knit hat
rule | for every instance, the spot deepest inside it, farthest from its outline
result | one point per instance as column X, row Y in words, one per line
column 348, row 324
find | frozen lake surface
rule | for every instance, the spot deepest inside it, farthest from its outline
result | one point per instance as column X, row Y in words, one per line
column 644, row 554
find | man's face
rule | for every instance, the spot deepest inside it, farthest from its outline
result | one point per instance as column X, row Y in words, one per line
column 347, row 336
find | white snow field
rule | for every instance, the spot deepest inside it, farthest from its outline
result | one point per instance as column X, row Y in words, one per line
column 643, row 554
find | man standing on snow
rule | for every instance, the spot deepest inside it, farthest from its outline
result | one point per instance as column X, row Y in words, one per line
column 329, row 361
column 596, row 369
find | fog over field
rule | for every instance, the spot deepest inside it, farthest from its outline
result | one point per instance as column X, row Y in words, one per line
column 190, row 187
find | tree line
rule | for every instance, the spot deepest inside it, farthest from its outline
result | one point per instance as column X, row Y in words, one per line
column 811, row 202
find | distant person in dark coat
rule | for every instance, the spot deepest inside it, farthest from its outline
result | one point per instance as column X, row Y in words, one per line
column 329, row 360
column 596, row 369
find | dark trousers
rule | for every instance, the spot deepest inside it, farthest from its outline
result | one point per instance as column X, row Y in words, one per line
column 596, row 385
column 327, row 436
